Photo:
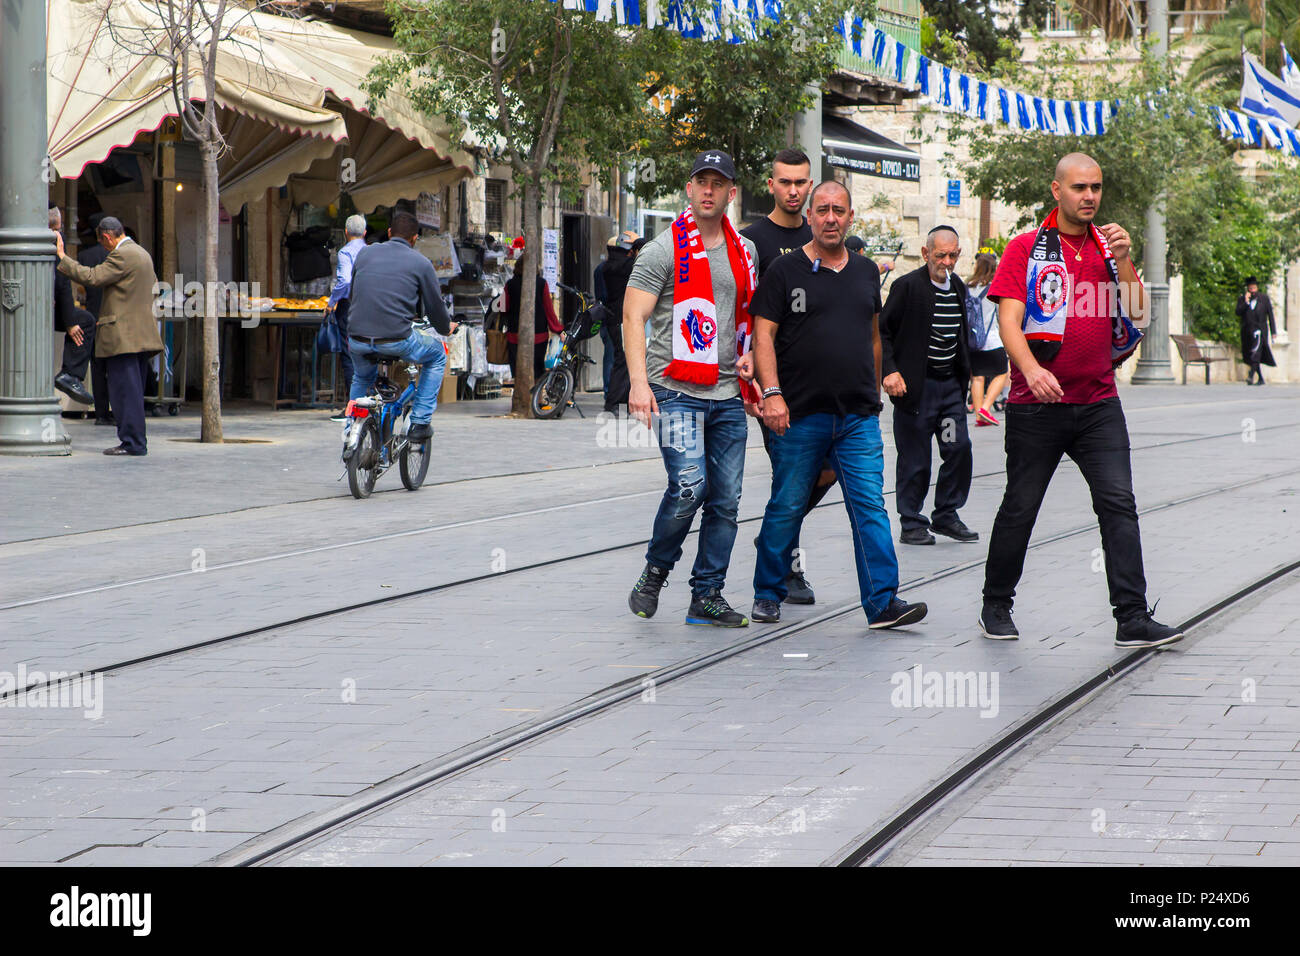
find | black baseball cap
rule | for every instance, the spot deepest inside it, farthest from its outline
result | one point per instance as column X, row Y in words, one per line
column 855, row 244
column 716, row 160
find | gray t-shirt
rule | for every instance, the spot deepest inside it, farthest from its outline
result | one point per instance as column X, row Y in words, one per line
column 653, row 272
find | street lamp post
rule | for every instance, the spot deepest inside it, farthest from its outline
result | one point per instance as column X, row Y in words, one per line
column 1153, row 363
column 30, row 421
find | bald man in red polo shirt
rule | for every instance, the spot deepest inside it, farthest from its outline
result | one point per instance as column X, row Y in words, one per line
column 1068, row 295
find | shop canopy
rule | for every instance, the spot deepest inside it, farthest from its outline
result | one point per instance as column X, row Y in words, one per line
column 288, row 90
column 847, row 145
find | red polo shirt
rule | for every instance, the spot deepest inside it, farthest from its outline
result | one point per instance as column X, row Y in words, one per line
column 1083, row 366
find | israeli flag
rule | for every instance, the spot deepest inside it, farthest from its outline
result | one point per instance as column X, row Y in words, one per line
column 900, row 59
column 963, row 88
column 1266, row 96
column 1004, row 106
column 1290, row 73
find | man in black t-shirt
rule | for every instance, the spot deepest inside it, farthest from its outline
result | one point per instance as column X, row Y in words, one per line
column 784, row 230
column 817, row 356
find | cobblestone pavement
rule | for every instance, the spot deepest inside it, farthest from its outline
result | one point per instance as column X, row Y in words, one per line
column 1193, row 760
column 195, row 754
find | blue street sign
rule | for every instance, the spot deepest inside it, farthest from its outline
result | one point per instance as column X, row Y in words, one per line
column 954, row 192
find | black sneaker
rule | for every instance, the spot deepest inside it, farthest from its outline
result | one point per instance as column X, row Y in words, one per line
column 798, row 590
column 1145, row 631
column 420, row 431
column 995, row 623
column 899, row 614
column 644, row 599
column 956, row 530
column 766, row 612
column 712, row 608
column 916, row 536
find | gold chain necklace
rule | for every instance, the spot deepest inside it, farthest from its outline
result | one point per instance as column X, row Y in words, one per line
column 1078, row 253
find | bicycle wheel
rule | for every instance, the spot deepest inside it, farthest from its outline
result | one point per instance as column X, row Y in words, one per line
column 413, row 463
column 364, row 463
column 551, row 396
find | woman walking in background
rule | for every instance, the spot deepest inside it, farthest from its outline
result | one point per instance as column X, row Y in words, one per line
column 988, row 359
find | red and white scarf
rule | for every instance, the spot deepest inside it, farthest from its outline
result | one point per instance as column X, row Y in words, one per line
column 695, row 316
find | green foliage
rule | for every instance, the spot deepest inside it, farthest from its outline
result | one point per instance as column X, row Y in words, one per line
column 737, row 97
column 995, row 244
column 1239, row 242
column 966, row 34
column 1216, row 70
column 1233, row 231
column 547, row 90
column 1220, row 227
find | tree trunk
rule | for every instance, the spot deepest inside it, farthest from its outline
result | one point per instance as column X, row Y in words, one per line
column 211, row 428
column 521, row 405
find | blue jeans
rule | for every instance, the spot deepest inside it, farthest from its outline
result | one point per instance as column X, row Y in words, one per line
column 421, row 347
column 853, row 446
column 703, row 446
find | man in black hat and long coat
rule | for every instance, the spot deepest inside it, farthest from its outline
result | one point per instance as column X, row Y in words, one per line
column 1257, row 328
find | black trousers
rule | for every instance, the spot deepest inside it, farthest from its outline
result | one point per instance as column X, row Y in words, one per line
column 76, row 358
column 539, row 359
column 1095, row 437
column 99, row 385
column 126, row 382
column 941, row 414
column 345, row 357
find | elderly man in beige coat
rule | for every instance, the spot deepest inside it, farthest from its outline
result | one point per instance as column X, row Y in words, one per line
column 126, row 335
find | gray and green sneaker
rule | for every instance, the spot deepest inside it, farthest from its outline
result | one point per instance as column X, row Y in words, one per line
column 644, row 599
column 710, row 607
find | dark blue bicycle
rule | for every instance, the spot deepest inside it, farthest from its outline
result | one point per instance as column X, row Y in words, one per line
column 377, row 425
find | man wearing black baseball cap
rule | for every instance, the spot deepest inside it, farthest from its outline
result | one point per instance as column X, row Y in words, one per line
column 693, row 282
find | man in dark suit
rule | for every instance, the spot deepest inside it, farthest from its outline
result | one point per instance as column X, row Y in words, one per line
column 90, row 255
column 1257, row 328
column 924, row 335
column 78, row 328
column 127, row 331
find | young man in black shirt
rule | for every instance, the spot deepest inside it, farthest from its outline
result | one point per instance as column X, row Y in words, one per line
column 784, row 230
column 817, row 354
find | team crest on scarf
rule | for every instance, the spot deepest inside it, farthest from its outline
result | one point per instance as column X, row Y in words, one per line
column 695, row 340
column 699, row 330
column 1049, row 292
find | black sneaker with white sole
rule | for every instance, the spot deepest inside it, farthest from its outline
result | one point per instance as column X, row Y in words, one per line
column 644, row 599
column 798, row 590
column 995, row 623
column 765, row 612
column 899, row 614
column 710, row 607
column 1145, row 631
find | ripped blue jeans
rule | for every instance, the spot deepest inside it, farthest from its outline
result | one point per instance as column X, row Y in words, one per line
column 703, row 446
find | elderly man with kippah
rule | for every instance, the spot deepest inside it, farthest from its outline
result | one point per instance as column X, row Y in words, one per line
column 126, row 334
column 341, row 295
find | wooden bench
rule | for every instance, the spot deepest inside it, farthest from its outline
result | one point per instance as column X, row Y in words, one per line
column 1191, row 354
